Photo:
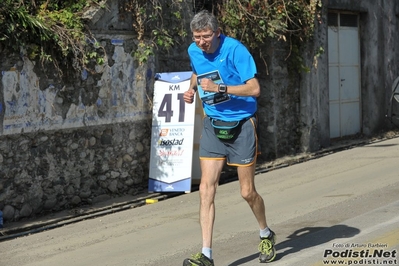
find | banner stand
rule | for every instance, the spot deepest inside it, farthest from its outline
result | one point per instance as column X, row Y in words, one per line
column 176, row 129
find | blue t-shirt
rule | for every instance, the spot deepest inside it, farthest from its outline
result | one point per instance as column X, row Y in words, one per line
column 231, row 64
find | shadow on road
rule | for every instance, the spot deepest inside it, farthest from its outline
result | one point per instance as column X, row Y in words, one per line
column 304, row 238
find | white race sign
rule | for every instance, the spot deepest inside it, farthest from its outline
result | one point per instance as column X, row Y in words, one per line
column 172, row 139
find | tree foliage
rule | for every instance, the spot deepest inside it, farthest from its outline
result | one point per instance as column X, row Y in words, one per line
column 48, row 29
column 254, row 21
column 251, row 21
column 53, row 30
column 158, row 23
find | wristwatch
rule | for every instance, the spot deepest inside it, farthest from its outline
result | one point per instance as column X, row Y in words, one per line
column 222, row 88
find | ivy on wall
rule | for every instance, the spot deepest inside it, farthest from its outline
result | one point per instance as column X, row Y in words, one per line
column 54, row 30
column 49, row 30
column 250, row 21
column 254, row 21
column 158, row 23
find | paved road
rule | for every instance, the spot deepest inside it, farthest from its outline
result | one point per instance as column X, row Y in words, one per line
column 343, row 206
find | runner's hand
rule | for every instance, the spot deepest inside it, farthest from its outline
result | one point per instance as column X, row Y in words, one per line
column 189, row 96
column 208, row 85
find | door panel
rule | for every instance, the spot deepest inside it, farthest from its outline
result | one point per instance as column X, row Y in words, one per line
column 349, row 82
column 335, row 129
column 349, row 118
column 333, row 45
column 348, row 46
column 344, row 74
column 334, row 84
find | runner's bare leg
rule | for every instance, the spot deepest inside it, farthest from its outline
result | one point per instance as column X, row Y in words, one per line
column 211, row 170
column 246, row 176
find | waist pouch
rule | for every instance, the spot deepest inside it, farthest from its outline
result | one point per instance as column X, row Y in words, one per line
column 225, row 130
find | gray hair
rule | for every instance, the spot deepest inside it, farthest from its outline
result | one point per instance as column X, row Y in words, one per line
column 204, row 20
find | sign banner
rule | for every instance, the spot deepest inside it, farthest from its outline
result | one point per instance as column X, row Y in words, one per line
column 172, row 139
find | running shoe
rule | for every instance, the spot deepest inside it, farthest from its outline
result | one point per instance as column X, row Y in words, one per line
column 198, row 260
column 266, row 248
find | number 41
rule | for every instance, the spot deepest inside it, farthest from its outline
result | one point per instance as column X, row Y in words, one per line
column 165, row 110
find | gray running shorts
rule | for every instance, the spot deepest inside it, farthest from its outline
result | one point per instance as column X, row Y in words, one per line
column 241, row 152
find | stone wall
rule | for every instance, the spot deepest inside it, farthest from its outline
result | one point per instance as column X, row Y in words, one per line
column 57, row 170
column 313, row 90
column 76, row 140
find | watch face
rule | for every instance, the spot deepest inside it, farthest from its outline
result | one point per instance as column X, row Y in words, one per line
column 222, row 88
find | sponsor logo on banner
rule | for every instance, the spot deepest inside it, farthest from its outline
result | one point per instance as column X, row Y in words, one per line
column 164, row 132
column 169, row 153
column 168, row 142
column 176, row 132
column 170, row 187
column 172, row 132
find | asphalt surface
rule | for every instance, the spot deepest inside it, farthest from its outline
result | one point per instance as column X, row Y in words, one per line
column 337, row 209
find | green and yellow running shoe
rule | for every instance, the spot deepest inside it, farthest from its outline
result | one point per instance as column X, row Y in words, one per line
column 266, row 248
column 198, row 259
